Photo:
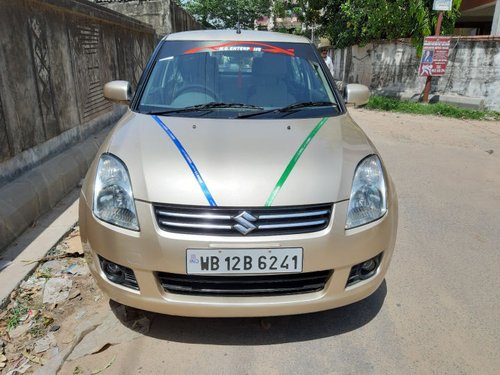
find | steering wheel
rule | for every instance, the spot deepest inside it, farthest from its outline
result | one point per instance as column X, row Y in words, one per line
column 198, row 88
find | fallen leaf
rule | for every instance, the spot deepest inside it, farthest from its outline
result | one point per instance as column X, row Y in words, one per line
column 108, row 365
column 20, row 330
column 33, row 358
column 20, row 368
column 102, row 348
column 74, row 245
column 74, row 294
column 44, row 344
column 54, row 328
column 69, row 341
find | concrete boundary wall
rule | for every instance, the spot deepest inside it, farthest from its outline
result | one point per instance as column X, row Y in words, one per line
column 37, row 191
column 391, row 68
column 26, row 160
column 166, row 16
column 55, row 56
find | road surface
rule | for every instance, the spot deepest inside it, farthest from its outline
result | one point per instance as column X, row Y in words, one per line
column 437, row 312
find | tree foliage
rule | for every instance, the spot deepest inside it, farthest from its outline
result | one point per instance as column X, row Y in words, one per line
column 343, row 22
column 350, row 22
column 307, row 11
column 222, row 14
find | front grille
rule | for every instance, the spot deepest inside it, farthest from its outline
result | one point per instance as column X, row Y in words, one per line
column 262, row 285
column 261, row 221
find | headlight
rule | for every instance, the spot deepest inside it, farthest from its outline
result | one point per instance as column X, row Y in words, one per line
column 113, row 198
column 368, row 195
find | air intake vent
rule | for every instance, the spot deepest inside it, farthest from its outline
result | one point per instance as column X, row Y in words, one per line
column 261, row 221
column 364, row 271
column 268, row 285
column 119, row 274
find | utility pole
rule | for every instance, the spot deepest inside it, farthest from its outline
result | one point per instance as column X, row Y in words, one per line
column 428, row 82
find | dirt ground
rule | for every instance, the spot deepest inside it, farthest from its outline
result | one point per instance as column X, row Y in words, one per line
column 49, row 309
column 437, row 312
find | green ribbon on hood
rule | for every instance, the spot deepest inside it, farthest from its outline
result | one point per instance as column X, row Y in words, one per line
column 293, row 161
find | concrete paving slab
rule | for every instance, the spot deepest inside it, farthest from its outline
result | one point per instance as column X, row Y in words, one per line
column 463, row 101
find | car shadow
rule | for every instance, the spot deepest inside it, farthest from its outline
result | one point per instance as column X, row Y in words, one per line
column 256, row 331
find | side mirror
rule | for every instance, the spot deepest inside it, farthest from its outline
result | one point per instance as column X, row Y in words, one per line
column 356, row 94
column 118, row 91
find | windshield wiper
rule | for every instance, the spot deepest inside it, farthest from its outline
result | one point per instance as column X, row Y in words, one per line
column 204, row 107
column 230, row 105
column 295, row 106
column 290, row 108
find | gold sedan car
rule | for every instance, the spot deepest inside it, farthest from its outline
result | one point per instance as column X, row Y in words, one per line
column 237, row 184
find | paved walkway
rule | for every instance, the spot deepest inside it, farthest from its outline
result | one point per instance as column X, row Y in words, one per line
column 19, row 260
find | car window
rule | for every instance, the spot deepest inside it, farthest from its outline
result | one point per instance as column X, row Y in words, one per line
column 258, row 76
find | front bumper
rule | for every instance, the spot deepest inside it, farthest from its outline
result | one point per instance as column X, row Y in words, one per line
column 152, row 250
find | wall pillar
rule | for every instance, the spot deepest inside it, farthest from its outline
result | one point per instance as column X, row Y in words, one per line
column 495, row 26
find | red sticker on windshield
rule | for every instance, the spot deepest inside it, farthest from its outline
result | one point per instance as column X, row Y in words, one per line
column 243, row 47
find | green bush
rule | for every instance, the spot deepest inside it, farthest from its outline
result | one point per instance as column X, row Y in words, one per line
column 438, row 109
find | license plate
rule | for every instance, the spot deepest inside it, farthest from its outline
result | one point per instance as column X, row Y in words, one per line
column 244, row 261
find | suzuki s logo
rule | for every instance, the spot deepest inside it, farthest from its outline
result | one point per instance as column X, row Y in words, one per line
column 244, row 221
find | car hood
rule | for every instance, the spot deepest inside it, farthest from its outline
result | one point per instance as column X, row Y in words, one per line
column 238, row 162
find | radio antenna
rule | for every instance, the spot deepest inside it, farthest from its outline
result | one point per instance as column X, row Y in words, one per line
column 238, row 24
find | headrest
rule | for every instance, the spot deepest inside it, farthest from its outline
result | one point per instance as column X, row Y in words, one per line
column 270, row 65
column 197, row 67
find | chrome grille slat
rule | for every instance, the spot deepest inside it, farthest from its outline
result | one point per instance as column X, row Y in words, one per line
column 239, row 221
column 301, row 224
column 202, row 226
column 289, row 216
column 194, row 216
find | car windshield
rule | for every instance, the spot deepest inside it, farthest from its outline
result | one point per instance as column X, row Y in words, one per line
column 237, row 80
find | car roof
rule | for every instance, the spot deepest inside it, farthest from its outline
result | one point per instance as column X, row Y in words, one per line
column 232, row 35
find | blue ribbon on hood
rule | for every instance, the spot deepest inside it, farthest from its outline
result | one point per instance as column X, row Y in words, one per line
column 189, row 161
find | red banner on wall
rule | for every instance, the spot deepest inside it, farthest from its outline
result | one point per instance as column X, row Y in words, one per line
column 434, row 56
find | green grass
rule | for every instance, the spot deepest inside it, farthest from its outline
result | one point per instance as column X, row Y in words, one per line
column 438, row 109
column 15, row 317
